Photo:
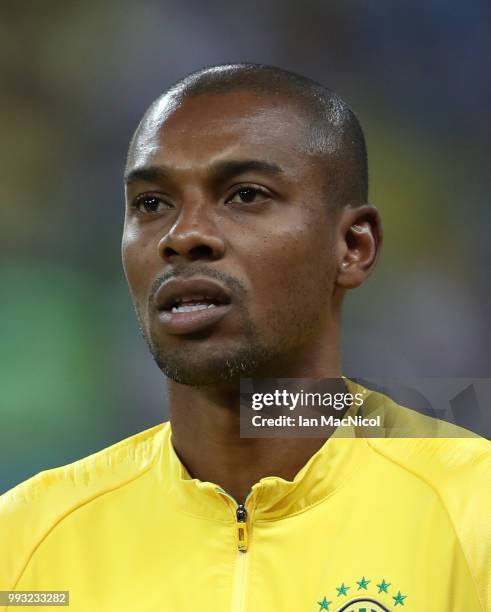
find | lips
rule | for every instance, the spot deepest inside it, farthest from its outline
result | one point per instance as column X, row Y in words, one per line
column 192, row 304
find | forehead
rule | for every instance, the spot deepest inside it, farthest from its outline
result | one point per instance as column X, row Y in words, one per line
column 209, row 127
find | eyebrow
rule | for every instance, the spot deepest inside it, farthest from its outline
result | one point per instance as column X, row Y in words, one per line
column 146, row 174
column 221, row 171
column 228, row 169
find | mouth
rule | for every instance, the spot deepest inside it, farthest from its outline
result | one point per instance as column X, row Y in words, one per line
column 192, row 304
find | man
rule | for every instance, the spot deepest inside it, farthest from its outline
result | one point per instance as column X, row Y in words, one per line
column 246, row 223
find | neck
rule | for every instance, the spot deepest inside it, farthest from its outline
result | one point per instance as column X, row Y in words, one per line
column 206, row 427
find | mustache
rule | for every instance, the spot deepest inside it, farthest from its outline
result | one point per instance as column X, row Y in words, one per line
column 236, row 287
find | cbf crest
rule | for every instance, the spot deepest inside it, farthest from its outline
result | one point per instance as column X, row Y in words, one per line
column 363, row 595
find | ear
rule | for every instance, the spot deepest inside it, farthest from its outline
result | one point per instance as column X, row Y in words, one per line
column 358, row 244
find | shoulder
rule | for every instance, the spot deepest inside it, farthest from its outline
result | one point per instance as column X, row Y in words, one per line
column 442, row 454
column 450, row 462
column 48, row 497
column 445, row 464
column 458, row 472
column 454, row 462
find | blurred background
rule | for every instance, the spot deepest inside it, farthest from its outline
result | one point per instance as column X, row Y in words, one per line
column 75, row 374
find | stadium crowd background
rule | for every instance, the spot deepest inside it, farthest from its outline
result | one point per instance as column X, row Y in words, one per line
column 76, row 77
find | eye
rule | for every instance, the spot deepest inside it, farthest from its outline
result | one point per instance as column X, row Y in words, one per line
column 148, row 204
column 249, row 195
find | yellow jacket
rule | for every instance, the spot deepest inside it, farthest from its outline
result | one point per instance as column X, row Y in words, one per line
column 368, row 524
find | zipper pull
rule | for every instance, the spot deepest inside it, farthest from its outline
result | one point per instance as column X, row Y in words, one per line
column 241, row 525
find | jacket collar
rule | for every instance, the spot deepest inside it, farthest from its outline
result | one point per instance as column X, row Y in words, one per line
column 273, row 497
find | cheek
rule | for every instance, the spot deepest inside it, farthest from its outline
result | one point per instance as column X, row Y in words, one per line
column 293, row 269
column 137, row 265
column 130, row 256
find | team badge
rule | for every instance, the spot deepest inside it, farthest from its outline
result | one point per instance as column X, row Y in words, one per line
column 363, row 595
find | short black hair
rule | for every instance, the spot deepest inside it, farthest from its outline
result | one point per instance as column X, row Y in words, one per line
column 335, row 129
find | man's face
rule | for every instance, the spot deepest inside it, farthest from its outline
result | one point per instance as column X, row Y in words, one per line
column 223, row 195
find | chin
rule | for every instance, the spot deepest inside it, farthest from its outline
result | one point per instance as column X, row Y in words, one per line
column 197, row 379
column 198, row 374
column 194, row 369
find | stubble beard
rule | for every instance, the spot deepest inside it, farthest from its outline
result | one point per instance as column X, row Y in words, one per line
column 183, row 368
column 198, row 366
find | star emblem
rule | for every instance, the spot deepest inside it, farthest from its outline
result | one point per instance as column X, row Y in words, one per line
column 363, row 583
column 342, row 590
column 324, row 604
column 399, row 598
column 383, row 586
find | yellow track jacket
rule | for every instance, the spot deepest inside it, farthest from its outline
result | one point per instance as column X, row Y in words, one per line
column 367, row 525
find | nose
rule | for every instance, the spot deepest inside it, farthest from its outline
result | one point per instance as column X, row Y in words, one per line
column 193, row 236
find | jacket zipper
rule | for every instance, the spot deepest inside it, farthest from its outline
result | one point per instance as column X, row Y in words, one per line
column 241, row 528
column 241, row 559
